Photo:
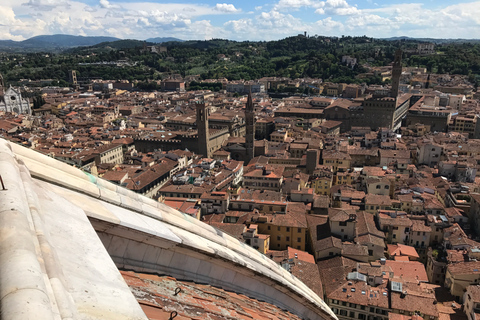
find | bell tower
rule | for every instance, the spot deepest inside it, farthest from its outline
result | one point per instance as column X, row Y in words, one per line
column 250, row 129
column 396, row 73
column 203, row 112
column 2, row 86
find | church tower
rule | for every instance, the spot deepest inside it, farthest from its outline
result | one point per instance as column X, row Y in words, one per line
column 250, row 129
column 202, row 127
column 2, row 86
column 396, row 73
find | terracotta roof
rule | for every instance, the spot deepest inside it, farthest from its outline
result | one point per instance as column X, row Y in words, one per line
column 294, row 217
column 161, row 296
column 474, row 292
column 353, row 249
column 309, row 274
column 360, row 292
column 399, row 220
column 420, row 226
column 411, row 271
column 235, row 230
column 334, row 272
column 414, row 302
column 401, row 250
column 341, row 215
column 366, row 225
column 327, row 243
column 300, row 255
column 377, row 199
column 471, row 267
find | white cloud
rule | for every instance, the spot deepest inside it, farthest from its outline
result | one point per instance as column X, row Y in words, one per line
column 224, row 7
column 46, row 5
column 22, row 19
column 295, row 4
column 107, row 5
column 337, row 7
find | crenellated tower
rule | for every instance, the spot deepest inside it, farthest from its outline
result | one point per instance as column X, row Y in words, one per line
column 250, row 129
column 396, row 73
column 203, row 112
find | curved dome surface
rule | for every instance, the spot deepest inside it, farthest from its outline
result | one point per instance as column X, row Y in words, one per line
column 65, row 234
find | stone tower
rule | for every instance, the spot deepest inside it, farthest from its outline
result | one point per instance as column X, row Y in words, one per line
column 72, row 77
column 250, row 129
column 203, row 112
column 2, row 86
column 427, row 85
column 312, row 160
column 396, row 73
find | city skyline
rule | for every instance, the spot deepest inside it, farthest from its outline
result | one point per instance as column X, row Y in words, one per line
column 235, row 20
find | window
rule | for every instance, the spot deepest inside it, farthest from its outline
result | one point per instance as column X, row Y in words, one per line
column 268, row 228
column 278, row 238
column 343, row 223
column 278, row 228
column 299, row 230
column 361, row 316
column 378, row 186
column 288, row 229
column 299, row 239
column 352, row 314
column 287, row 239
column 394, row 236
column 344, row 303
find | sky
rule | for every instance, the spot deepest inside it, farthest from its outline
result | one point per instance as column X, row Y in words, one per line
column 239, row 20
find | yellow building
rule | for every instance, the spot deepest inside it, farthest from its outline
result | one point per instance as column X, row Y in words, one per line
column 460, row 275
column 261, row 242
column 338, row 161
column 285, row 230
column 347, row 177
column 471, row 301
column 322, row 185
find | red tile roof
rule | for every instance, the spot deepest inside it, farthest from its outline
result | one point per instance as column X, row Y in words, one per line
column 156, row 295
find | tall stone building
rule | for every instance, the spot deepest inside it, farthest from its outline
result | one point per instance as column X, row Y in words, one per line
column 396, row 73
column 203, row 133
column 388, row 112
column 250, row 129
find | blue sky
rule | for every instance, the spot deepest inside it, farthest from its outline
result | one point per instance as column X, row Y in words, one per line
column 239, row 20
